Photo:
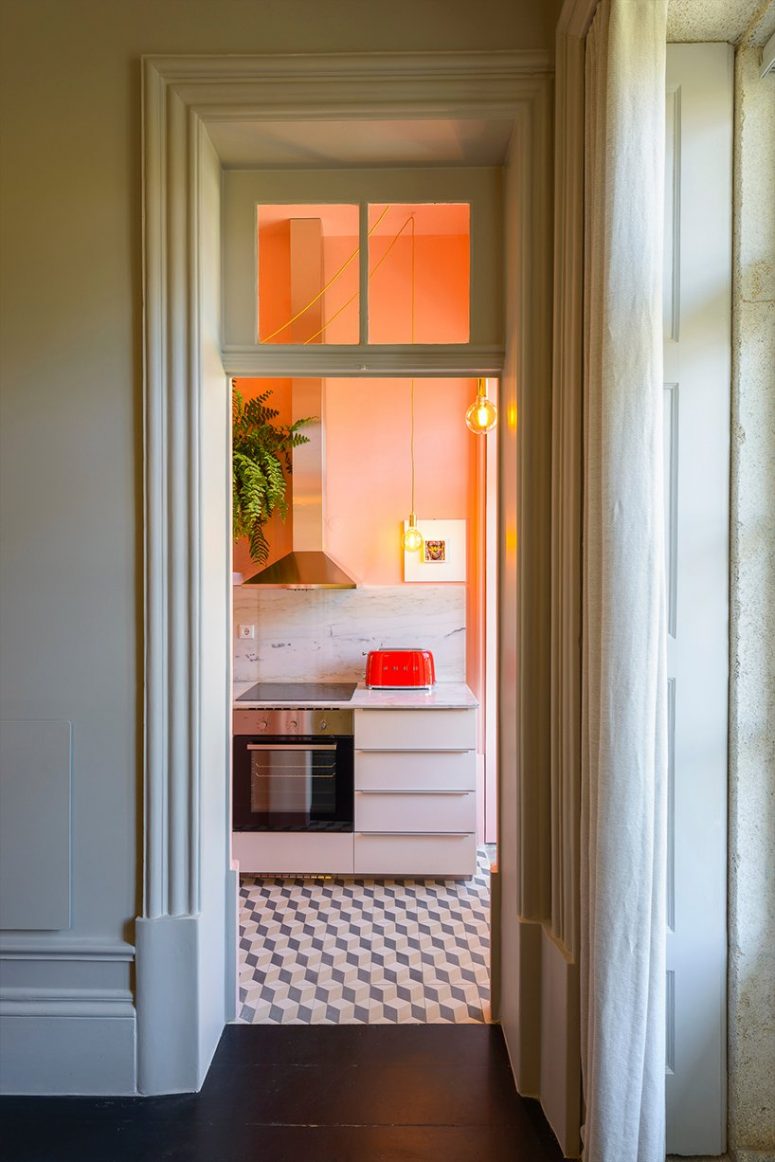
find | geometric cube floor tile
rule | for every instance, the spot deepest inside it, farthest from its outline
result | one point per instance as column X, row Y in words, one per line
column 333, row 951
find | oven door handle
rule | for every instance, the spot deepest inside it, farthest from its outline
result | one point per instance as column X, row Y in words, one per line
column 291, row 746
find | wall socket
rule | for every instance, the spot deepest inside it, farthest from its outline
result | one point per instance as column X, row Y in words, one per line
column 246, row 631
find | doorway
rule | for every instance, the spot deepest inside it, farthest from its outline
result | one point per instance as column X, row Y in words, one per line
column 188, row 910
column 402, row 946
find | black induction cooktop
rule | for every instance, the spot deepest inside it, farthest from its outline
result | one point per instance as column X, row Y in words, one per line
column 324, row 692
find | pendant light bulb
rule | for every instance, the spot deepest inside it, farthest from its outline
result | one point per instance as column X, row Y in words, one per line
column 412, row 535
column 482, row 415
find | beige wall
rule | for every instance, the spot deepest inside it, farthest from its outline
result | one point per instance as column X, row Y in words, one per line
column 72, row 358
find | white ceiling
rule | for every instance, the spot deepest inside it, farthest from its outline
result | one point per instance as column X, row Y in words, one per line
column 360, row 144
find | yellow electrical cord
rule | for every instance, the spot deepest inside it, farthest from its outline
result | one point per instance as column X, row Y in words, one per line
column 411, row 218
column 372, row 272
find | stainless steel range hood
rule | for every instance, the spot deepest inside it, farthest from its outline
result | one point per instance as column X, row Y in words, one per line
column 307, row 566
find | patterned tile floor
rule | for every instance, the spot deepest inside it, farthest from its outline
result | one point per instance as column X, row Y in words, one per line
column 336, row 951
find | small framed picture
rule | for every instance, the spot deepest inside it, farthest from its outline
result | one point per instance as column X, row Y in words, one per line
column 434, row 552
column 442, row 555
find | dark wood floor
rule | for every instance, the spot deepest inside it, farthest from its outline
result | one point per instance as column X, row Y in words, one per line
column 355, row 1093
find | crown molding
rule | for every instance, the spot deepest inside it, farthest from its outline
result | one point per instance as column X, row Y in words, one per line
column 363, row 86
column 342, row 66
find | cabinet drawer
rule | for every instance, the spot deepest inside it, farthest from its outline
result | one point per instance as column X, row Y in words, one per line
column 423, row 770
column 437, row 811
column 284, row 852
column 415, row 729
column 436, row 856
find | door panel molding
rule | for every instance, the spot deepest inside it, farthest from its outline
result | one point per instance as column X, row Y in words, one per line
column 539, row 604
column 698, row 356
column 542, row 630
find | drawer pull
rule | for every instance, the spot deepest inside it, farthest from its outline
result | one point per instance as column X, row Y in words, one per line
column 392, row 792
column 416, row 834
column 414, row 750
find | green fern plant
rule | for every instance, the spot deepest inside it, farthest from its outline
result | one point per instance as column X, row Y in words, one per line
column 261, row 456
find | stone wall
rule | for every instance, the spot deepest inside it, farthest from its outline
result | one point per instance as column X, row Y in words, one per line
column 752, row 644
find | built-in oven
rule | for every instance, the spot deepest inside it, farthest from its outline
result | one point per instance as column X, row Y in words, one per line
column 293, row 770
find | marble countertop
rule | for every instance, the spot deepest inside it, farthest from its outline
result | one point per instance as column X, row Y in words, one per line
column 443, row 696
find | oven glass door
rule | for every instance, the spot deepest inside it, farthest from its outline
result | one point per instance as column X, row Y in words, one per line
column 303, row 785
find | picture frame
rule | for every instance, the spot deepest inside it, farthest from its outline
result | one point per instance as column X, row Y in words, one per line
column 442, row 555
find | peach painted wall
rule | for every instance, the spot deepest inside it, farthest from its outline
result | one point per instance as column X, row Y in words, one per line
column 343, row 328
column 441, row 290
column 368, row 468
column 368, row 487
column 274, row 259
column 368, row 482
column 274, row 279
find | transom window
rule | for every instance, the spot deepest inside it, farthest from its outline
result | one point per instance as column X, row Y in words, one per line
column 376, row 273
column 369, row 268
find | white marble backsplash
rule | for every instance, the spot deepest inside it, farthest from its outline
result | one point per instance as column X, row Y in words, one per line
column 325, row 634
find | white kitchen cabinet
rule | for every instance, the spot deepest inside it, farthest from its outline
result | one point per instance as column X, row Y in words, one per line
column 411, row 730
column 434, row 855
column 428, row 811
column 415, row 804
column 422, row 770
column 293, row 853
column 415, row 798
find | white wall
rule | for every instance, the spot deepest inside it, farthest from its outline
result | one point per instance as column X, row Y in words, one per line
column 72, row 424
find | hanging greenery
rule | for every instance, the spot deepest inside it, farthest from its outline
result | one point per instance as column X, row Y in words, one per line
column 261, row 456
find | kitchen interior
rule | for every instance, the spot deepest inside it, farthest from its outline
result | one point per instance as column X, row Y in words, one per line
column 364, row 781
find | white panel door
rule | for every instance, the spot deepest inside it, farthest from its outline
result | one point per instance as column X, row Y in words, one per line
column 698, row 252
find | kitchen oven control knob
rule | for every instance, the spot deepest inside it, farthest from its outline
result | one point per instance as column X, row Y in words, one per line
column 262, row 724
column 293, row 724
column 324, row 725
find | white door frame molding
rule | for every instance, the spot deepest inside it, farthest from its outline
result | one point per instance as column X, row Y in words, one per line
column 541, row 1018
column 181, row 96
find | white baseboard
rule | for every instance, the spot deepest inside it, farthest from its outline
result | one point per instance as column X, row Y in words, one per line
column 67, row 1042
column 560, row 1049
column 717, row 1158
column 539, row 1014
column 167, row 1010
column 232, row 955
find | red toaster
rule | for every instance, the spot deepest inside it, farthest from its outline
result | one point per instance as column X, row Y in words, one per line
column 400, row 669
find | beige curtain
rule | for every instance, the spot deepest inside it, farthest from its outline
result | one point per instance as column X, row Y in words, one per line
column 624, row 760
